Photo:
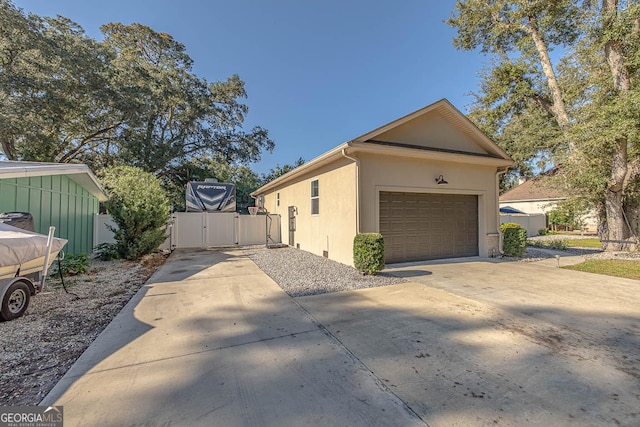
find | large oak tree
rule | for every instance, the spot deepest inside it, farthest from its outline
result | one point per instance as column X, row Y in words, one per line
column 580, row 113
column 131, row 99
column 178, row 116
column 56, row 101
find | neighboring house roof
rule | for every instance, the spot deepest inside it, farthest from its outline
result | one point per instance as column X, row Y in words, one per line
column 382, row 141
column 535, row 189
column 77, row 172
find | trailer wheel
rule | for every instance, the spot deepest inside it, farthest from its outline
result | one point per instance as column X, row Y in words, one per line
column 15, row 301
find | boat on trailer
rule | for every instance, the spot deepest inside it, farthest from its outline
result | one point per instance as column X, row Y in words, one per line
column 25, row 258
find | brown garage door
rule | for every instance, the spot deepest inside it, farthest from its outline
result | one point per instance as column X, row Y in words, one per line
column 423, row 226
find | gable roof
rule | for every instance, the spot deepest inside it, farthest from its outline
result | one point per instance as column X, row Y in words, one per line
column 453, row 116
column 488, row 153
column 538, row 188
column 77, row 172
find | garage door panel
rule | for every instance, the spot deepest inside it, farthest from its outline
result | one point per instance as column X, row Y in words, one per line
column 423, row 226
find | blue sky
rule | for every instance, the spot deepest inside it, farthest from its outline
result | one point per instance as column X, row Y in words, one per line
column 317, row 72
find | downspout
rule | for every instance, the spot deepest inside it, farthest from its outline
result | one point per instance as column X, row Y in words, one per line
column 357, row 162
column 499, row 171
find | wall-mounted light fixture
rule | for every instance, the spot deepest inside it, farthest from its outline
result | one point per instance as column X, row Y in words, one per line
column 440, row 180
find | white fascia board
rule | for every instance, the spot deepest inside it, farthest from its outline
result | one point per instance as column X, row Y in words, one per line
column 431, row 155
column 78, row 173
column 311, row 165
column 556, row 199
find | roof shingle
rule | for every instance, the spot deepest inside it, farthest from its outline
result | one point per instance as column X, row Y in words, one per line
column 538, row 188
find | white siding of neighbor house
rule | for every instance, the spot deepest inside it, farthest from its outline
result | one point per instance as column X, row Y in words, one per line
column 589, row 220
column 532, row 206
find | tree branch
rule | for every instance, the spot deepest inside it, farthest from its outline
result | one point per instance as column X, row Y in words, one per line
column 85, row 141
column 544, row 103
column 7, row 147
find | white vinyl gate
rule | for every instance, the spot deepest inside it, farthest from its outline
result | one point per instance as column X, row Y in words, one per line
column 208, row 229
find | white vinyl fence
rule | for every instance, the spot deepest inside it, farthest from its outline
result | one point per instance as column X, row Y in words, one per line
column 103, row 234
column 101, row 231
column 206, row 229
column 531, row 222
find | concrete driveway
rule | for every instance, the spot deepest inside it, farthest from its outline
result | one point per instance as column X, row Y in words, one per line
column 487, row 343
column 212, row 341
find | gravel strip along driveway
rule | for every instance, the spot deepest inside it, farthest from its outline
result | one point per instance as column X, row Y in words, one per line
column 301, row 273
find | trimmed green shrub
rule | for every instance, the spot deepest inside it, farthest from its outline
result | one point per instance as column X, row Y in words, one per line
column 71, row 265
column 139, row 206
column 557, row 244
column 514, row 241
column 368, row 252
column 508, row 225
column 107, row 251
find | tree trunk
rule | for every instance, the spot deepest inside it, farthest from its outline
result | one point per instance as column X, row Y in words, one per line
column 633, row 215
column 601, row 214
column 616, row 224
column 618, row 231
column 559, row 108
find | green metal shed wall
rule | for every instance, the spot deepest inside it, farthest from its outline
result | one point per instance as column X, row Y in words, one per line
column 53, row 200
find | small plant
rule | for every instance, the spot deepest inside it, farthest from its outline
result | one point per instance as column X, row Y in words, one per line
column 107, row 251
column 72, row 265
column 543, row 232
column 535, row 243
column 368, row 252
column 514, row 241
column 557, row 244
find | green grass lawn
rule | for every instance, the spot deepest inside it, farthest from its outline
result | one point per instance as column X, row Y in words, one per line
column 629, row 269
column 584, row 243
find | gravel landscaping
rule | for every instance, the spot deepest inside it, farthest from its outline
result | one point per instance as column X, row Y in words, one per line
column 534, row 254
column 302, row 273
column 37, row 349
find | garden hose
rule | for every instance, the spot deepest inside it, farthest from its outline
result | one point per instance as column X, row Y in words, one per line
column 62, row 278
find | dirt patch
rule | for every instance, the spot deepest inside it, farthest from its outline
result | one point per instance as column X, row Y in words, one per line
column 37, row 349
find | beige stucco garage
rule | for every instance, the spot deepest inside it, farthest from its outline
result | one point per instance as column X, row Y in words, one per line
column 428, row 182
